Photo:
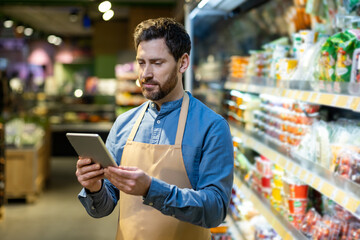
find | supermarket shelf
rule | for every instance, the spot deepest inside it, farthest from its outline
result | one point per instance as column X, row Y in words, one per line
column 278, row 222
column 341, row 190
column 350, row 102
column 101, row 126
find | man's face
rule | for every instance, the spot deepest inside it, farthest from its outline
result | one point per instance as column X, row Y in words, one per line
column 157, row 69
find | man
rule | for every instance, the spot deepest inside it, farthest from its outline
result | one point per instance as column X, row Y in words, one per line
column 175, row 155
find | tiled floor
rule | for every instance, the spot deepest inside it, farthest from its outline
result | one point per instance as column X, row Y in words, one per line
column 57, row 214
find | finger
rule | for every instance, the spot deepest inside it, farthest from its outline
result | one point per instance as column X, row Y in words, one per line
column 91, row 175
column 83, row 162
column 122, row 184
column 90, row 183
column 88, row 168
column 128, row 168
column 122, row 173
column 115, row 179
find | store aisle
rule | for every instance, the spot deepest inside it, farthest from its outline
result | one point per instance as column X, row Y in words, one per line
column 57, row 214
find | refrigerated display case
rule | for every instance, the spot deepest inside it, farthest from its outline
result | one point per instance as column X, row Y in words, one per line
column 244, row 41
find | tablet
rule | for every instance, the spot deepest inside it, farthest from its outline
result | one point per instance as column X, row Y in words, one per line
column 90, row 145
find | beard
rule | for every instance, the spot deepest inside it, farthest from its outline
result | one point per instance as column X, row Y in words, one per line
column 161, row 91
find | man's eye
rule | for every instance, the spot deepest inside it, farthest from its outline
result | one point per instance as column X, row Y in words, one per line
column 158, row 63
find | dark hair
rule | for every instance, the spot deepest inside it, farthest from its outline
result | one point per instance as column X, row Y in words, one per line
column 176, row 38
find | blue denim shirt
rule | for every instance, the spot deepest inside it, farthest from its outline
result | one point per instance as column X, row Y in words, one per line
column 208, row 158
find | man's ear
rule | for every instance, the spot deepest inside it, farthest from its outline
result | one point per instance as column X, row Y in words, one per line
column 184, row 62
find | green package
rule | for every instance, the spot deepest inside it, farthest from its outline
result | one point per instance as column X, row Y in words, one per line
column 336, row 57
column 345, row 52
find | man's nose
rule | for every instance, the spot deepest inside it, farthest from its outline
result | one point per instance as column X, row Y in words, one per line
column 148, row 72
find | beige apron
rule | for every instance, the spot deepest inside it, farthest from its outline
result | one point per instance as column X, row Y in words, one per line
column 141, row 222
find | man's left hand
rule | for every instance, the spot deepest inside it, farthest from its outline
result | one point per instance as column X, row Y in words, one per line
column 130, row 180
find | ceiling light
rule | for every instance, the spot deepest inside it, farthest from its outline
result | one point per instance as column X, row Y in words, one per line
column 78, row 93
column 104, row 6
column 20, row 29
column 108, row 15
column 51, row 39
column 8, row 23
column 57, row 41
column 28, row 31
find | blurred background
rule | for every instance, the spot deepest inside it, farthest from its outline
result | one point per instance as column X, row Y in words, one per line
column 285, row 74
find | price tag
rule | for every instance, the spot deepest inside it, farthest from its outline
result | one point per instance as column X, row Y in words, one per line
column 317, row 183
column 286, row 93
column 277, row 159
column 334, row 194
column 283, row 162
column 312, row 180
column 301, row 95
column 358, row 108
column 355, row 105
column 306, row 177
column 335, row 100
column 310, row 97
column 302, row 174
column 349, row 102
column 345, row 201
column 294, row 169
column 305, row 96
column 352, row 205
column 287, row 165
column 328, row 190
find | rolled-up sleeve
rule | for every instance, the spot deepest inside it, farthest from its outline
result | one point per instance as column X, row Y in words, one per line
column 99, row 204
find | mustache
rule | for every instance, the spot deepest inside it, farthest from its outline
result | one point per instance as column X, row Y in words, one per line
column 147, row 81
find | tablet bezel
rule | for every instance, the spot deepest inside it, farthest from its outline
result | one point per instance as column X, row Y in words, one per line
column 90, row 145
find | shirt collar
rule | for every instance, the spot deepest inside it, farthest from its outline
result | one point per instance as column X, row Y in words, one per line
column 167, row 106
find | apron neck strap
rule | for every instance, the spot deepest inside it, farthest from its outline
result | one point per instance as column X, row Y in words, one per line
column 182, row 119
column 138, row 121
column 181, row 123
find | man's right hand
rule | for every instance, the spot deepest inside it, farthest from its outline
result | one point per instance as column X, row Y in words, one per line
column 89, row 174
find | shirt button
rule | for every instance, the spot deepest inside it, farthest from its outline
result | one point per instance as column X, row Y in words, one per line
column 150, row 204
column 158, row 121
column 92, row 208
column 153, row 105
